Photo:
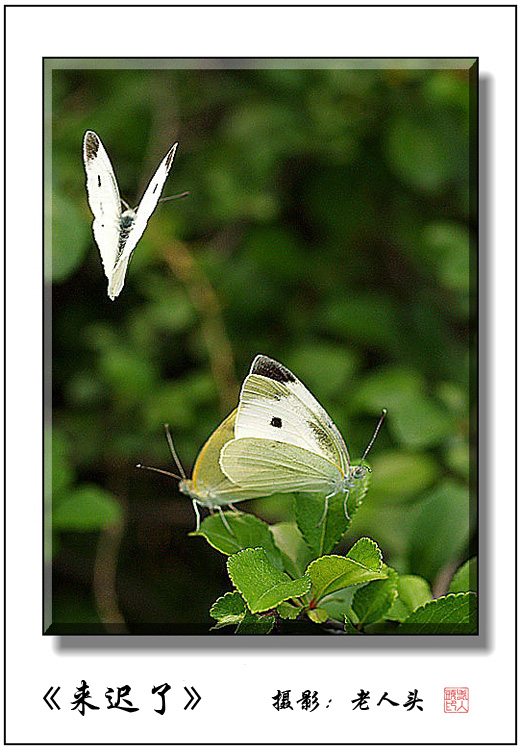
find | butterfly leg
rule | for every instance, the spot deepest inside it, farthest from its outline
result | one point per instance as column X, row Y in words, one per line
column 225, row 522
column 232, row 507
column 345, row 505
column 197, row 514
column 324, row 514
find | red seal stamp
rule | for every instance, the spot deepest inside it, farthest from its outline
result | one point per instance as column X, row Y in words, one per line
column 456, row 700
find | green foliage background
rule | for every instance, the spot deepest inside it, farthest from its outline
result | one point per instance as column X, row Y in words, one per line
column 330, row 224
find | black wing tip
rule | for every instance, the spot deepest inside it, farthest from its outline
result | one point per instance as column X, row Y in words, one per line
column 270, row 368
column 170, row 155
column 91, row 144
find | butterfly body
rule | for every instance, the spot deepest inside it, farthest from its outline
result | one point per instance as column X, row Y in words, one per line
column 117, row 232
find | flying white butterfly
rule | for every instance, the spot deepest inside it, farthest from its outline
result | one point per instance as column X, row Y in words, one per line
column 209, row 487
column 117, row 232
column 285, row 441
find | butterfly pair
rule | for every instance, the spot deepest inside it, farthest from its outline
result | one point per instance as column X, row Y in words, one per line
column 117, row 232
column 278, row 439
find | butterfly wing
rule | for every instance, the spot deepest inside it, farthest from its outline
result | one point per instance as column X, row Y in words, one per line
column 104, row 200
column 209, row 484
column 144, row 212
column 267, row 466
column 276, row 406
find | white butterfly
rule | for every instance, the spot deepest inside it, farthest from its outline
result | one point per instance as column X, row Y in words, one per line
column 285, row 441
column 117, row 232
column 209, row 487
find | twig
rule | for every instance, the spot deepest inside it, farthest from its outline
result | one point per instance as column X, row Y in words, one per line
column 104, row 579
column 184, row 267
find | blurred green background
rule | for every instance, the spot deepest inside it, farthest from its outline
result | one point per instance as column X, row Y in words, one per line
column 330, row 224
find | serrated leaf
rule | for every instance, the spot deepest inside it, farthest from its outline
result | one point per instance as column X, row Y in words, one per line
column 289, row 611
column 317, row 615
column 334, row 572
column 309, row 510
column 372, row 602
column 228, row 610
column 413, row 591
column 87, row 508
column 295, row 553
column 254, row 624
column 261, row 584
column 466, row 577
column 366, row 552
column 452, row 614
column 249, row 531
column 398, row 612
column 349, row 627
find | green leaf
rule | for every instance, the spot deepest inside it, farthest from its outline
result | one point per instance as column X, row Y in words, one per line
column 317, row 615
column 357, row 492
column 59, row 473
column 466, row 577
column 420, row 422
column 228, row 610
column 413, row 591
column 339, row 604
column 451, row 614
column 368, row 318
column 367, row 553
column 255, row 624
column 261, row 584
column 419, row 152
column 320, row 537
column 398, row 612
column 313, row 359
column 248, row 530
column 130, row 376
column 440, row 529
column 288, row 611
column 294, row 551
column 397, row 477
column 387, row 387
column 70, row 238
column 333, row 572
column 350, row 627
column 88, row 508
column 447, row 247
column 372, row 602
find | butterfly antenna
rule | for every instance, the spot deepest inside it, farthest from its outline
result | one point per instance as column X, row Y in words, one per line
column 124, row 203
column 159, row 471
column 173, row 197
column 384, row 412
column 172, row 451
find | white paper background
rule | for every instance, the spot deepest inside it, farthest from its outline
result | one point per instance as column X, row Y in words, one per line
column 237, row 677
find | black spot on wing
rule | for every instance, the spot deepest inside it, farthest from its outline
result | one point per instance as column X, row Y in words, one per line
column 269, row 368
column 155, row 188
column 276, row 422
column 91, row 145
column 99, row 181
